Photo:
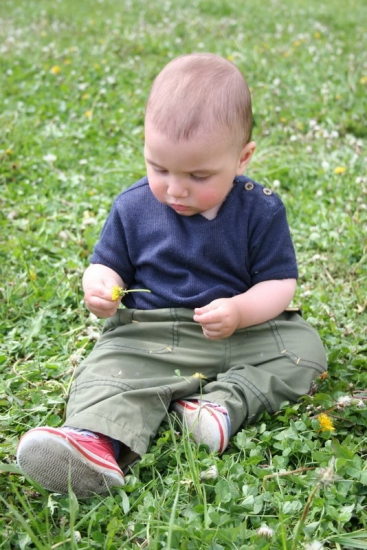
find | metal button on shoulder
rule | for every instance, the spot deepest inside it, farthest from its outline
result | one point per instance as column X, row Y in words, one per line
column 249, row 186
column 267, row 191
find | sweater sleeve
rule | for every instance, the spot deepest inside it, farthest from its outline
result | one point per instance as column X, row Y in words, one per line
column 272, row 251
column 112, row 250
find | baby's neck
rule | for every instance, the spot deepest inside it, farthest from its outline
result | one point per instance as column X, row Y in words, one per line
column 212, row 213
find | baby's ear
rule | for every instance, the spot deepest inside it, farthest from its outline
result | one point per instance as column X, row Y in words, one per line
column 245, row 157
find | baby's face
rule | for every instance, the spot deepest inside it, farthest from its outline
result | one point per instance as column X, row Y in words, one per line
column 191, row 176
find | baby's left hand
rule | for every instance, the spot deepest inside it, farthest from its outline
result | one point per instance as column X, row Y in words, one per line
column 219, row 319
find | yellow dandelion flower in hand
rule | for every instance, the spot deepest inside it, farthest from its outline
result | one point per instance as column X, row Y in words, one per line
column 326, row 423
column 116, row 292
column 119, row 292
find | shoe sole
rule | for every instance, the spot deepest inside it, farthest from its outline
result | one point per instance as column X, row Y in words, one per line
column 195, row 415
column 66, row 462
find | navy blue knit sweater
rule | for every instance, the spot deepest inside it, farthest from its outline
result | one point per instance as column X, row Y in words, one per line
column 188, row 261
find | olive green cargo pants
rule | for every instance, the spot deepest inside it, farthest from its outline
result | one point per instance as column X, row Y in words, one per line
column 146, row 359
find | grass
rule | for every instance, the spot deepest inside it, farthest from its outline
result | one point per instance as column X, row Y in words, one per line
column 74, row 79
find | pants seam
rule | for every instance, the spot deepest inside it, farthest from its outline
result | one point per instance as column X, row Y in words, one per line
column 235, row 377
column 293, row 357
column 102, row 382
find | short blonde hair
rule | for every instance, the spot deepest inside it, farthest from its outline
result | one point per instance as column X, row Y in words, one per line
column 200, row 93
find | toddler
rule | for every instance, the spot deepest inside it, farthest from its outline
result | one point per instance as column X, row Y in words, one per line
column 213, row 340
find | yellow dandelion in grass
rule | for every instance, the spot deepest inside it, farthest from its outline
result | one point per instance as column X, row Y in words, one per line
column 119, row 292
column 32, row 275
column 9, row 152
column 55, row 70
column 363, row 80
column 88, row 114
column 326, row 423
column 339, row 170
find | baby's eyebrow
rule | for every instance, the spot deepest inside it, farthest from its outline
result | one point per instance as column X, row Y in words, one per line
column 153, row 163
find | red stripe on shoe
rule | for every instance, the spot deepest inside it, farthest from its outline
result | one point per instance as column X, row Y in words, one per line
column 87, row 454
column 187, row 404
column 94, row 458
column 221, row 432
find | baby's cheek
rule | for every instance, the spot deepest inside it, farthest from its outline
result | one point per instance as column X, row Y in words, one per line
column 157, row 188
column 210, row 196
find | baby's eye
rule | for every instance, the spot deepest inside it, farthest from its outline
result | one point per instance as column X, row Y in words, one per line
column 160, row 170
column 198, row 178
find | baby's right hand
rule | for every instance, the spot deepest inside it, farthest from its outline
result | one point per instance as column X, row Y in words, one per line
column 97, row 297
column 98, row 281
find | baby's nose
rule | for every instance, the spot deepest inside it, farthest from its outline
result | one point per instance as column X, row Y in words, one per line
column 177, row 188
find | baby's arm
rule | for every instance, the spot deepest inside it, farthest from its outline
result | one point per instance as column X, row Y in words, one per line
column 98, row 281
column 259, row 304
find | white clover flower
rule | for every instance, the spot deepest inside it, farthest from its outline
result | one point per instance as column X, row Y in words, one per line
column 50, row 158
column 211, row 473
column 314, row 545
column 74, row 359
column 265, row 531
column 344, row 401
column 88, row 221
column 63, row 235
column 327, row 475
column 77, row 536
column 92, row 334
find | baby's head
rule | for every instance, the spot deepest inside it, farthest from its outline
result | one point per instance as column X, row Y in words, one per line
column 201, row 94
column 197, row 133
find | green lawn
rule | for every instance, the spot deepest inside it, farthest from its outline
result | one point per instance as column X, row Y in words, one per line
column 74, row 80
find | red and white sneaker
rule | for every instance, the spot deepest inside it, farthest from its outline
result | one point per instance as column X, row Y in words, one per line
column 56, row 456
column 209, row 423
